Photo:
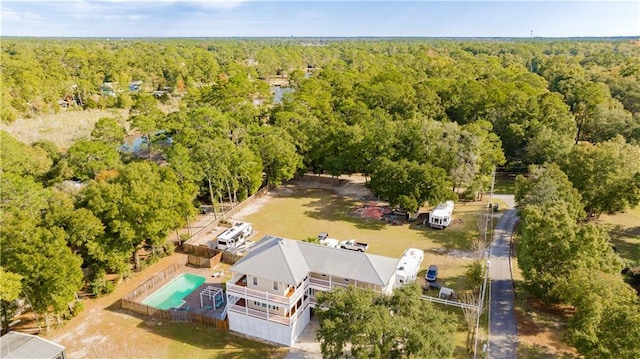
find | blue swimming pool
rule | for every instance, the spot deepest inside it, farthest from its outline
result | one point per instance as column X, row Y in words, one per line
column 171, row 295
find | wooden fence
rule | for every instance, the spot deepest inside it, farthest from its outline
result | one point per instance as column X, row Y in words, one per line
column 128, row 303
column 204, row 261
column 174, row 315
column 165, row 274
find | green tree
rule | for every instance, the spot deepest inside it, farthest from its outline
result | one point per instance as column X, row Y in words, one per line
column 607, row 319
column 16, row 157
column 139, row 207
column 10, row 289
column 409, row 184
column 88, row 158
column 552, row 245
column 398, row 326
column 51, row 272
column 108, row 130
column 22, row 194
column 146, row 117
column 278, row 153
column 548, row 185
column 606, row 174
column 84, row 232
column 585, row 100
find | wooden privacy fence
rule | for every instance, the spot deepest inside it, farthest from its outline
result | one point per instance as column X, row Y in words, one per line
column 204, row 261
column 165, row 274
column 128, row 302
column 174, row 315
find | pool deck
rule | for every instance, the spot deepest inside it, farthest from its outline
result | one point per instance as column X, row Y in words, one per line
column 192, row 301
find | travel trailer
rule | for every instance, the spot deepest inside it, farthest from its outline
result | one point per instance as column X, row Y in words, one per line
column 442, row 215
column 234, row 237
column 409, row 266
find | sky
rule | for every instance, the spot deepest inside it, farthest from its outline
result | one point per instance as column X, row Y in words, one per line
column 355, row 18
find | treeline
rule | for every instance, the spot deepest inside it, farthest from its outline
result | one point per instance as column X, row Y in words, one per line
column 565, row 259
column 425, row 121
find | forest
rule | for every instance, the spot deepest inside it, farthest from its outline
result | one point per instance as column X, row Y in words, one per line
column 424, row 120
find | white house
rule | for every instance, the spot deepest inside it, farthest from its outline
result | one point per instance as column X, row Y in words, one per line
column 273, row 287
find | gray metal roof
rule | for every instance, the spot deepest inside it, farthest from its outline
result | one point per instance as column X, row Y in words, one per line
column 15, row 345
column 275, row 259
column 359, row 266
column 289, row 261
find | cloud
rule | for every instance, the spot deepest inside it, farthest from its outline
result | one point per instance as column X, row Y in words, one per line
column 13, row 15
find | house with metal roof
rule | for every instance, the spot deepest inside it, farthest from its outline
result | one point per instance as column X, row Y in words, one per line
column 272, row 290
column 16, row 345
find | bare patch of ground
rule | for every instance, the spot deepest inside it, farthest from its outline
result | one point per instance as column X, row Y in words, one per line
column 541, row 328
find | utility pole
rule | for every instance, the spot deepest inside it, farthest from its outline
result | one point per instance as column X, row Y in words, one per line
column 488, row 228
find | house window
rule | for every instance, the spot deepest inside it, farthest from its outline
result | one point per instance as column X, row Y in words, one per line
column 255, row 281
column 257, row 304
column 264, row 305
column 275, row 307
column 346, row 279
column 275, row 285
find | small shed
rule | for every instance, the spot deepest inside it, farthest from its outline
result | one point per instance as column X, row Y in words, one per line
column 16, row 345
column 447, row 293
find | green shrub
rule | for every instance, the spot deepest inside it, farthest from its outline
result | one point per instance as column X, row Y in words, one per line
column 169, row 248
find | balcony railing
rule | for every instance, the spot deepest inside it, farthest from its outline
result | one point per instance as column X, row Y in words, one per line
column 249, row 293
column 326, row 284
column 285, row 320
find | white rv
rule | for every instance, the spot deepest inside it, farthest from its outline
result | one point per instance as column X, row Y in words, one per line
column 235, row 236
column 409, row 266
column 441, row 216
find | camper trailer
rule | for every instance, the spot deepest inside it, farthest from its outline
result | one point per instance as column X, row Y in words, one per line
column 234, row 237
column 441, row 216
column 408, row 266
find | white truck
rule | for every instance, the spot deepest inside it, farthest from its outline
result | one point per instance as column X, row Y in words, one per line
column 351, row 244
column 324, row 239
column 408, row 266
column 442, row 215
column 234, row 237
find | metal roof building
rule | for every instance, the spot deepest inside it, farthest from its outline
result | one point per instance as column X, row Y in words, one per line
column 15, row 345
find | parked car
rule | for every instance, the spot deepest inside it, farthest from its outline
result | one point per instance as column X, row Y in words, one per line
column 432, row 273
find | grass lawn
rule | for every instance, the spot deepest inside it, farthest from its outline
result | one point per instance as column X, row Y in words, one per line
column 624, row 229
column 302, row 213
column 504, row 184
column 190, row 341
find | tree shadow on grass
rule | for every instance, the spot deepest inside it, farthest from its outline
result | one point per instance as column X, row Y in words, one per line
column 622, row 239
column 328, row 206
column 221, row 344
column 456, row 236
